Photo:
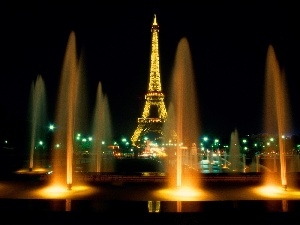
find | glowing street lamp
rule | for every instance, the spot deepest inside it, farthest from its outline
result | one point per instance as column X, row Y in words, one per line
column 51, row 127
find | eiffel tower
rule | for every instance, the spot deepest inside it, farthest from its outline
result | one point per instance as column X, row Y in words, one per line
column 155, row 113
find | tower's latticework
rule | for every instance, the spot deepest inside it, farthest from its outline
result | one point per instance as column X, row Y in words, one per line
column 155, row 113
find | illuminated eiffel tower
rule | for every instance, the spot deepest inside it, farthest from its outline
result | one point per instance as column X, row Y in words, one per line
column 155, row 113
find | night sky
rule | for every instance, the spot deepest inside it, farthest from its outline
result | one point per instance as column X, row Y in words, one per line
column 228, row 42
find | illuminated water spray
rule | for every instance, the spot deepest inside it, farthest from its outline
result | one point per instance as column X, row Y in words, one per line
column 65, row 116
column 277, row 114
column 234, row 152
column 184, row 105
column 101, row 132
column 38, row 117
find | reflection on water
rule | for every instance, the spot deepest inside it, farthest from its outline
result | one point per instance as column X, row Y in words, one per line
column 60, row 205
column 154, row 206
column 285, row 206
column 68, row 205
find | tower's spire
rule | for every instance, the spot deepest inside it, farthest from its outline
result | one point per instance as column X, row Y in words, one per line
column 154, row 21
column 154, row 82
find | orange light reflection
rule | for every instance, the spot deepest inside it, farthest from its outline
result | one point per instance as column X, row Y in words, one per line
column 61, row 191
column 181, row 194
column 273, row 191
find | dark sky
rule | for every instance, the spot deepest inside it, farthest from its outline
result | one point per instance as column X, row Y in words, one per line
column 228, row 42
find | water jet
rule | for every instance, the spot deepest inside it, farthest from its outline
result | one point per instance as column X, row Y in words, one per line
column 66, row 116
column 102, row 135
column 183, row 116
column 277, row 115
column 38, row 116
column 234, row 152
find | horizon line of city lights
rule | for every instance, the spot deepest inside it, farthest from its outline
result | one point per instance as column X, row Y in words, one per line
column 206, row 143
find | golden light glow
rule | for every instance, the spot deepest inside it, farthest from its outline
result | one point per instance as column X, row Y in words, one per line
column 181, row 194
column 61, row 191
column 34, row 171
column 273, row 191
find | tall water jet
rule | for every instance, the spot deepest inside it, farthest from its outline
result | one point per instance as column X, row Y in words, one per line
column 38, row 116
column 81, row 122
column 101, row 133
column 234, row 152
column 184, row 104
column 277, row 120
column 65, row 116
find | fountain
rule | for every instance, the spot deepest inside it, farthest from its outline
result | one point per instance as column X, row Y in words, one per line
column 234, row 152
column 66, row 116
column 183, row 120
column 277, row 114
column 101, row 134
column 183, row 113
column 37, row 118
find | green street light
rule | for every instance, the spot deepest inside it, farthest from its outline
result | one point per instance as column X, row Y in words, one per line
column 51, row 127
column 217, row 142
